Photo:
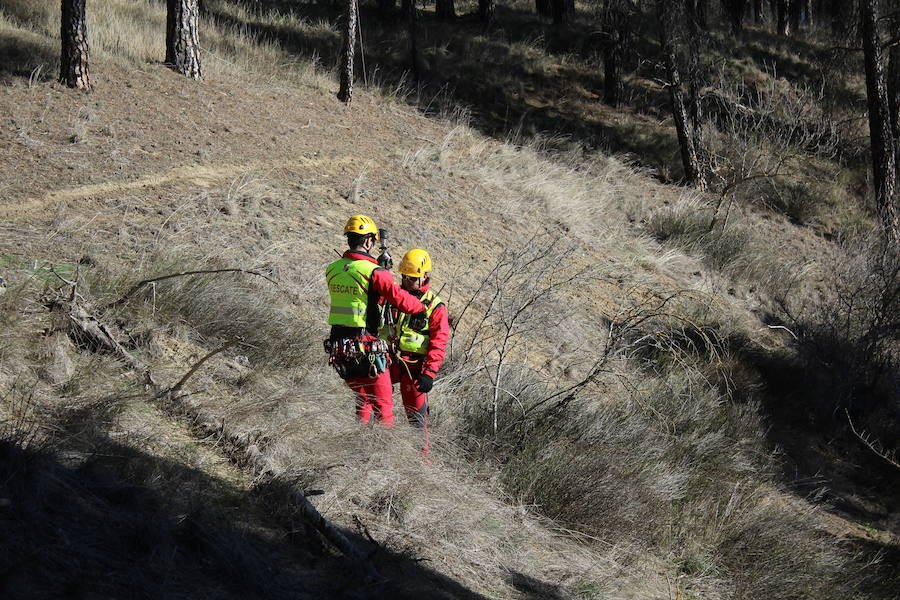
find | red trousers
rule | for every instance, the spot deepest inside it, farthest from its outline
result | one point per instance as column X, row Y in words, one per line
column 414, row 401
column 374, row 394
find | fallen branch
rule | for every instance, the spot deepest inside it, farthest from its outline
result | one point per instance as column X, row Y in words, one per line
column 175, row 388
column 136, row 287
column 867, row 441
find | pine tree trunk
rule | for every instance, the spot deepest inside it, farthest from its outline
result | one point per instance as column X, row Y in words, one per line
column 689, row 156
column 386, row 7
column 700, row 9
column 880, row 134
column 74, row 68
column 735, row 10
column 182, row 40
column 614, row 31
column 795, row 8
column 345, row 93
column 544, row 8
column 445, row 10
column 560, row 11
column 412, row 23
column 486, row 11
column 893, row 86
column 782, row 18
column 695, row 78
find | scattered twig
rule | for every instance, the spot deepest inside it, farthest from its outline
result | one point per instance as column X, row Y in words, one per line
column 136, row 287
column 175, row 388
column 793, row 335
column 867, row 441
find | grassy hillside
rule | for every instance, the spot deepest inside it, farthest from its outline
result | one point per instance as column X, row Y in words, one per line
column 636, row 404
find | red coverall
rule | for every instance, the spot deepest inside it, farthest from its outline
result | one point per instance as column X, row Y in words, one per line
column 414, row 401
column 376, row 393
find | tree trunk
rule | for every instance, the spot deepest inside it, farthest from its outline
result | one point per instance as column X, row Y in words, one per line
column 182, row 41
column 757, row 12
column 544, row 8
column 486, row 11
column 735, row 12
column 783, row 23
column 412, row 24
column 386, row 7
column 893, row 86
column 795, row 9
column 74, row 68
column 689, row 156
column 345, row 93
column 445, row 10
column 880, row 134
column 700, row 10
column 560, row 11
column 695, row 44
column 614, row 32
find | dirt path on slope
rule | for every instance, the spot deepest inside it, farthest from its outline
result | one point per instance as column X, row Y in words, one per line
column 200, row 175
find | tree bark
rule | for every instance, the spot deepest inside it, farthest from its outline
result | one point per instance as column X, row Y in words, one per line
column 445, row 10
column 893, row 86
column 695, row 43
column 795, row 8
column 614, row 32
column 880, row 133
column 182, row 40
column 486, row 11
column 783, row 22
column 412, row 24
column 544, row 8
column 345, row 93
column 689, row 156
column 386, row 7
column 735, row 13
column 74, row 67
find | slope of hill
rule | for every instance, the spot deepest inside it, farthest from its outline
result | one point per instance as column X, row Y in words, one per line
column 601, row 429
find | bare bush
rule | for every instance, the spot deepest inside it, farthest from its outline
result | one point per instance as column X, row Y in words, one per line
column 849, row 342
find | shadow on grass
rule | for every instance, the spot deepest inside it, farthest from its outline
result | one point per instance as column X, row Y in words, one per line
column 27, row 56
column 93, row 518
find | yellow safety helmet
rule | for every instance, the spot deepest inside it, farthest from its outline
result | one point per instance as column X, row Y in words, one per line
column 362, row 225
column 415, row 263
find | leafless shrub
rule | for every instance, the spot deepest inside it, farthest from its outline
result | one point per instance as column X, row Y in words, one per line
column 767, row 134
column 849, row 342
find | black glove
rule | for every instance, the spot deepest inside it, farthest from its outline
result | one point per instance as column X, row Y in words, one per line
column 424, row 383
column 418, row 321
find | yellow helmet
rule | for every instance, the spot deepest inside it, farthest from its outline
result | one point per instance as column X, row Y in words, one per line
column 415, row 263
column 362, row 225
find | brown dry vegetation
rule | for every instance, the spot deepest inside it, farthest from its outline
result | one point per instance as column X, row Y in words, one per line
column 614, row 439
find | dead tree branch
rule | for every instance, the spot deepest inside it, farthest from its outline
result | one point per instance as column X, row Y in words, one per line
column 872, row 446
column 136, row 287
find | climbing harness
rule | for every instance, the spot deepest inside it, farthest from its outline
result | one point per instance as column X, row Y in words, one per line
column 364, row 356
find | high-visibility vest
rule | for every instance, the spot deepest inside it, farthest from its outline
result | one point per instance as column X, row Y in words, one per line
column 348, row 285
column 413, row 340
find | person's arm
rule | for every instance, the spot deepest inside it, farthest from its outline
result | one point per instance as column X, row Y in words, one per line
column 385, row 286
column 439, row 335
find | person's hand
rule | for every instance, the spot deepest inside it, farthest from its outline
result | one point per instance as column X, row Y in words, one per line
column 424, row 383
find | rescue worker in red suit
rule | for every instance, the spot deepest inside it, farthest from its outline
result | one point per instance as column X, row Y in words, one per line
column 421, row 340
column 357, row 286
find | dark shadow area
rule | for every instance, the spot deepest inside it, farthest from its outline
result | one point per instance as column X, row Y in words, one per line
column 536, row 589
column 809, row 405
column 24, row 55
column 88, row 517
